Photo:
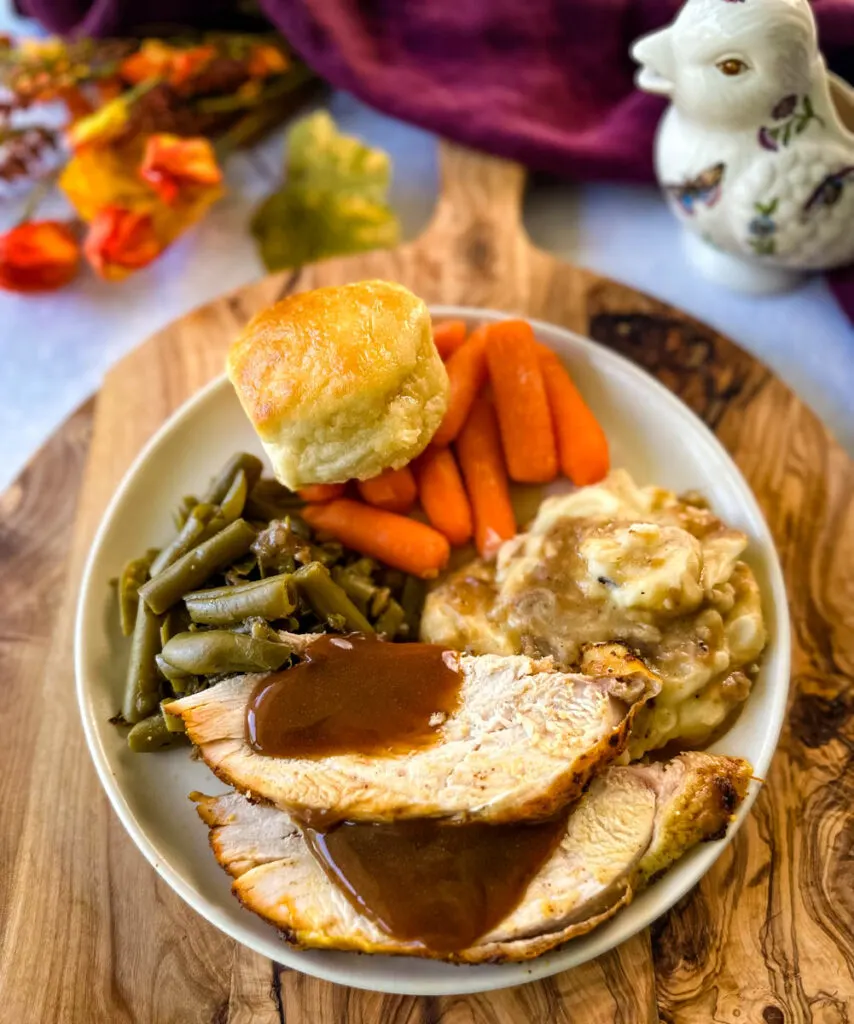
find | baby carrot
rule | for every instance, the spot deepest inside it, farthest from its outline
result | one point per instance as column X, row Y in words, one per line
column 402, row 543
column 466, row 374
column 582, row 444
column 321, row 492
column 442, row 495
column 527, row 434
column 448, row 336
column 479, row 452
column 394, row 490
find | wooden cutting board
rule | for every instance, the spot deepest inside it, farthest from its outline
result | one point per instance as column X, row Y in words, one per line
column 91, row 934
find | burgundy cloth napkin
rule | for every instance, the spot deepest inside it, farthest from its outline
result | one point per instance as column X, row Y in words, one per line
column 545, row 82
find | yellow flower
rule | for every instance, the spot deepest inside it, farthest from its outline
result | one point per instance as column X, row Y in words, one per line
column 103, row 125
column 42, row 49
column 98, row 179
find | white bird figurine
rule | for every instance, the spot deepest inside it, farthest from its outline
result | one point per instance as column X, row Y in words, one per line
column 756, row 151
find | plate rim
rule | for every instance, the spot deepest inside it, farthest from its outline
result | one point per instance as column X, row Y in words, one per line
column 550, row 963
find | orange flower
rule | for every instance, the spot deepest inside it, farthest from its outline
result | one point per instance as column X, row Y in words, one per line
column 121, row 241
column 155, row 59
column 265, row 60
column 171, row 162
column 186, row 63
column 38, row 256
column 151, row 60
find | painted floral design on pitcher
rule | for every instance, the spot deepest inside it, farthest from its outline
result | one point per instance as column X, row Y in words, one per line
column 795, row 117
column 828, row 192
column 704, row 189
column 763, row 228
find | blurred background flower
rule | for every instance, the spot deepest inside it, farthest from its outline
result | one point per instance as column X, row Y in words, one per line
column 38, row 256
column 138, row 145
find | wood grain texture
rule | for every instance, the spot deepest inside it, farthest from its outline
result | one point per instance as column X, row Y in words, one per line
column 90, row 933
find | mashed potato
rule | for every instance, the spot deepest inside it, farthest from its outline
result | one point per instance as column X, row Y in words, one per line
column 616, row 561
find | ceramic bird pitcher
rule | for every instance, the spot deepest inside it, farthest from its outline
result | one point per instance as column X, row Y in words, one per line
column 756, row 152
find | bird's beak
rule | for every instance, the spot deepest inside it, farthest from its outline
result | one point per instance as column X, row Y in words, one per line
column 655, row 55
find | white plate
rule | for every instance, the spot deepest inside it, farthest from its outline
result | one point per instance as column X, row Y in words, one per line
column 652, row 434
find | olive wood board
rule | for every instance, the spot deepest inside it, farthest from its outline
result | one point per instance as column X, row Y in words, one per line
column 89, row 931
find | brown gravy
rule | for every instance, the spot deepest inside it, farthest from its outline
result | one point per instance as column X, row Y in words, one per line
column 353, row 695
column 438, row 885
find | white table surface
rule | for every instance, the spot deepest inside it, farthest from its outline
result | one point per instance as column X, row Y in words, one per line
column 55, row 349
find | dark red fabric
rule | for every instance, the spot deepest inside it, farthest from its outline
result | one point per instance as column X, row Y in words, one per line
column 118, row 17
column 546, row 82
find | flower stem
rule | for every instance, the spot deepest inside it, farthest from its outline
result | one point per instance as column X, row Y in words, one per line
column 37, row 194
column 262, row 115
column 139, row 90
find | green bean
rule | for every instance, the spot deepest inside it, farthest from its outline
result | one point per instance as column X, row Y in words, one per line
column 412, row 600
column 369, row 598
column 214, row 651
column 261, row 631
column 177, row 678
column 190, row 534
column 142, row 686
column 389, row 623
column 222, row 482
column 192, row 569
column 174, row 723
column 204, row 521
column 179, row 516
column 269, row 500
column 174, row 621
column 272, row 598
column 328, row 599
column 232, row 504
column 360, row 589
column 134, row 574
column 152, row 734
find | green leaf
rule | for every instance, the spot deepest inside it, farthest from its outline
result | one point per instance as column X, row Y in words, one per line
column 334, row 199
column 767, row 209
column 808, row 108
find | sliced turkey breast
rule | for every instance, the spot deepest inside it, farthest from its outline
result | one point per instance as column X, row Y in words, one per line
column 631, row 824
column 523, row 741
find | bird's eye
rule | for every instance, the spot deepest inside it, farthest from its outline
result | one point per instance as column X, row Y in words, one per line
column 731, row 66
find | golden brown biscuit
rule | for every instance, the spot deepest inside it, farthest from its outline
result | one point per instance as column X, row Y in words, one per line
column 341, row 383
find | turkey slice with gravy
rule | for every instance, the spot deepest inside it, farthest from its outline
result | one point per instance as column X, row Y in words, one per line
column 632, row 823
column 522, row 741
